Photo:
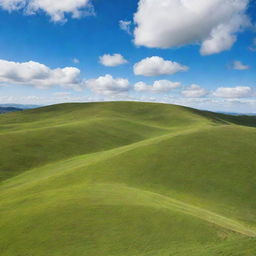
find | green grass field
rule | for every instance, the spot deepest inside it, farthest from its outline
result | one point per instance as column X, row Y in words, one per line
column 127, row 179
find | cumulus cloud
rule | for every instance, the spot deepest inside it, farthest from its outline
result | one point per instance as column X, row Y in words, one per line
column 57, row 10
column 173, row 23
column 238, row 65
column 160, row 86
column 108, row 86
column 234, row 92
column 38, row 75
column 155, row 66
column 125, row 26
column 112, row 60
column 194, row 91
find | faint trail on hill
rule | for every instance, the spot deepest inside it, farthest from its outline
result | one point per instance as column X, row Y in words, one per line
column 214, row 218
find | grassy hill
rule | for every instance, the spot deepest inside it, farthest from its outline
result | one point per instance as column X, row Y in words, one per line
column 126, row 178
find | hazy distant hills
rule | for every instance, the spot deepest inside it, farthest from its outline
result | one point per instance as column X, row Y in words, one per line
column 127, row 178
column 8, row 109
column 19, row 106
column 5, row 108
column 238, row 114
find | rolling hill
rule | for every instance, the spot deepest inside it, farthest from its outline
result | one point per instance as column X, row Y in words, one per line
column 127, row 178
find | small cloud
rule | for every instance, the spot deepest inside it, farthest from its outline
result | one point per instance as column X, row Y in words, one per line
column 234, row 92
column 108, row 86
column 238, row 65
column 156, row 66
column 125, row 26
column 112, row 60
column 159, row 86
column 194, row 91
column 76, row 61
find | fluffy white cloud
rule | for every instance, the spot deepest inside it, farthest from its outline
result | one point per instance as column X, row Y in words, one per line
column 54, row 8
column 112, row 60
column 160, row 86
column 194, row 91
column 108, row 86
column 155, row 66
column 125, row 26
column 238, row 65
column 172, row 23
column 38, row 75
column 234, row 92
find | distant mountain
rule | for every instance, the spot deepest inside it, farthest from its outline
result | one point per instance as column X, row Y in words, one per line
column 8, row 109
column 238, row 114
column 19, row 106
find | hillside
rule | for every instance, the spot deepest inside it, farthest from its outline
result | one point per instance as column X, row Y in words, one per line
column 126, row 178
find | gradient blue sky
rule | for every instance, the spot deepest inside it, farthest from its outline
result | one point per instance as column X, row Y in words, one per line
column 55, row 44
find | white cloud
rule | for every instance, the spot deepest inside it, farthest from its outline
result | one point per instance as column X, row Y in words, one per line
column 38, row 75
column 47, row 100
column 125, row 25
column 155, row 66
column 57, row 10
column 238, row 65
column 62, row 94
column 112, row 60
column 11, row 5
column 194, row 91
column 108, row 86
column 76, row 61
column 234, row 92
column 172, row 23
column 159, row 86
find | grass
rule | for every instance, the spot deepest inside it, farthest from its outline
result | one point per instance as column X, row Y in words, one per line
column 123, row 178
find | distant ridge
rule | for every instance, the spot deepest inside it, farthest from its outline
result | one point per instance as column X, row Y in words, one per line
column 8, row 109
column 19, row 106
column 237, row 114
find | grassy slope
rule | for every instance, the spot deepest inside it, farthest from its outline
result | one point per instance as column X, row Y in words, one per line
column 35, row 137
column 127, row 179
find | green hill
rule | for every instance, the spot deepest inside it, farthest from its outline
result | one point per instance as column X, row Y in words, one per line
column 126, row 178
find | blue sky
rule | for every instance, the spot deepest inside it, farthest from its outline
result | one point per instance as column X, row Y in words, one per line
column 51, row 54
